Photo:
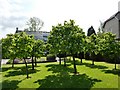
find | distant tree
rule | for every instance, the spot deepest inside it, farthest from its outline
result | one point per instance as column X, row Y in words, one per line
column 34, row 24
column 100, row 29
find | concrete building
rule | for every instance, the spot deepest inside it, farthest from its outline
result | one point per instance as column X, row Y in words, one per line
column 113, row 25
column 42, row 35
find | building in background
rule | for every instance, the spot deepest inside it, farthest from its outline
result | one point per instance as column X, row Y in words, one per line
column 42, row 35
column 113, row 25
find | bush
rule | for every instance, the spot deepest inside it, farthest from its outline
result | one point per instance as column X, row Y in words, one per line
column 87, row 56
column 80, row 55
column 51, row 57
column 62, row 55
column 109, row 60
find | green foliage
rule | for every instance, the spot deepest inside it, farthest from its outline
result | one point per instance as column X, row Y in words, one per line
column 50, row 55
column 109, row 46
column 104, row 44
column 38, row 48
column 66, row 38
column 25, row 45
column 21, row 45
column 90, row 45
column 8, row 46
column 17, row 45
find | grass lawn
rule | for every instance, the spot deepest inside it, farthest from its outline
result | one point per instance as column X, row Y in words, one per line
column 53, row 75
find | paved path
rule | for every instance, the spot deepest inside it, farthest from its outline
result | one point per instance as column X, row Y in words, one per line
column 4, row 61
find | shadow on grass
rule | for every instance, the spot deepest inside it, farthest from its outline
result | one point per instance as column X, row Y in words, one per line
column 89, row 65
column 94, row 66
column 10, row 85
column 113, row 71
column 16, row 68
column 4, row 69
column 20, row 71
column 59, row 68
column 63, row 78
column 67, row 81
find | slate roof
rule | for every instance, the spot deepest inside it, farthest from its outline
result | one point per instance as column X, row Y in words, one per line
column 116, row 15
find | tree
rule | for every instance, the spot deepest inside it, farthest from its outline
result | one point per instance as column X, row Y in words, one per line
column 9, row 47
column 67, row 39
column 91, row 46
column 73, row 40
column 38, row 49
column 6, row 43
column 54, row 40
column 24, row 47
column 34, row 24
column 100, row 29
column 109, row 47
column 91, row 31
column 91, row 43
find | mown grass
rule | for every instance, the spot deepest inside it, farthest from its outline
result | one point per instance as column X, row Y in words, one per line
column 53, row 75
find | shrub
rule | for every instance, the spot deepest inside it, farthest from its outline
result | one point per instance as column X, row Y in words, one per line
column 50, row 57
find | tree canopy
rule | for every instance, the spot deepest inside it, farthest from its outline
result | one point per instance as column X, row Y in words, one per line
column 67, row 39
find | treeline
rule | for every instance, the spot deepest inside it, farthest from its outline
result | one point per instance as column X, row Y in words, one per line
column 65, row 39
column 23, row 46
column 69, row 39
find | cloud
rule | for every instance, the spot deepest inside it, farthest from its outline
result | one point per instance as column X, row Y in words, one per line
column 13, row 13
column 12, row 22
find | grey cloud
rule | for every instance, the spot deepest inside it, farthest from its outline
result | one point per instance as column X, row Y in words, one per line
column 12, row 22
column 13, row 13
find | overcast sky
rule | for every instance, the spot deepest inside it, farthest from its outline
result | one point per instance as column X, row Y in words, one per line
column 15, row 13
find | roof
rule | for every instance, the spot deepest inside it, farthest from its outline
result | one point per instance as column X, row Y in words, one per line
column 117, row 15
column 42, row 35
column 17, row 31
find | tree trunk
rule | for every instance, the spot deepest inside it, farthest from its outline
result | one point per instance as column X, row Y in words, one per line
column 92, row 62
column 32, row 63
column 81, row 60
column 26, row 67
column 64, row 62
column 13, row 63
column 93, row 55
column 75, row 69
column 35, row 62
column 115, row 64
column 60, row 61
column 0, row 64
